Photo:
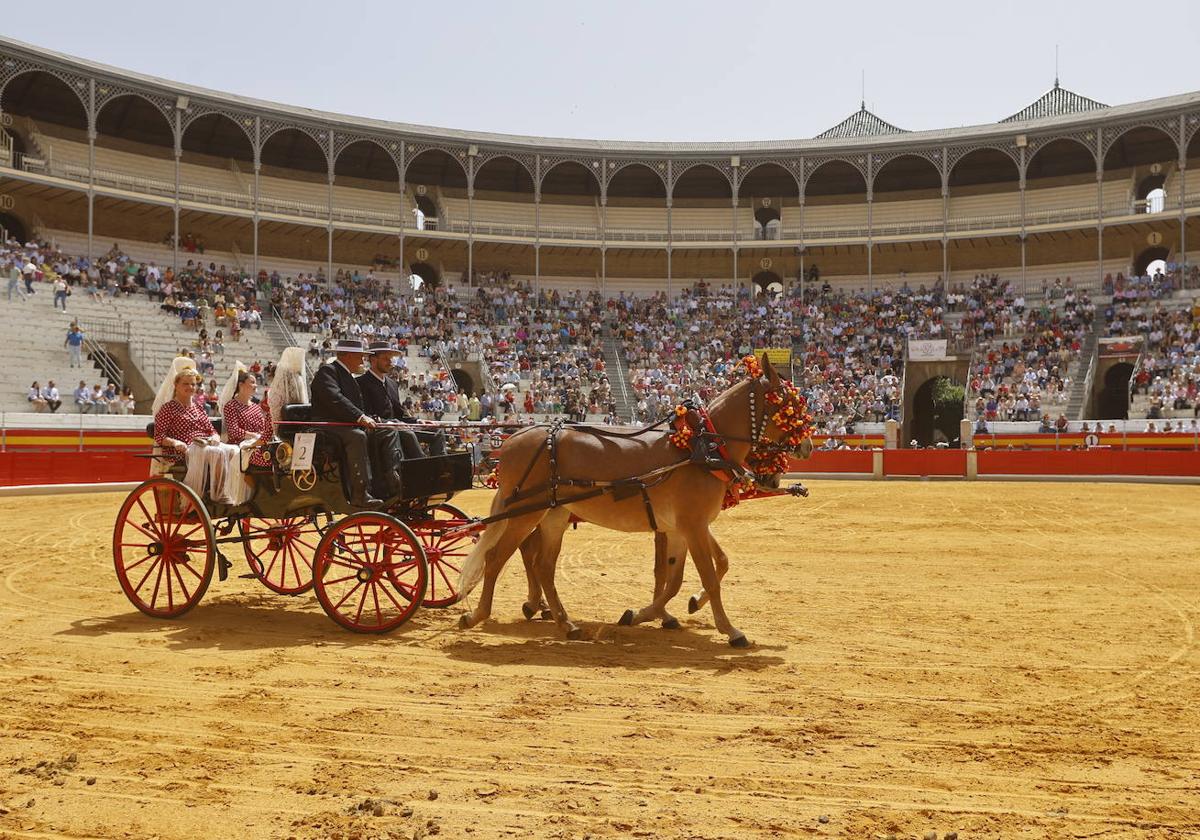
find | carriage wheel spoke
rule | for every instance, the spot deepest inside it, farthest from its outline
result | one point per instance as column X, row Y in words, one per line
column 157, row 583
column 187, row 564
column 362, row 600
column 154, row 537
column 145, row 577
column 340, row 580
column 187, row 595
column 129, row 568
column 267, row 571
column 150, row 518
column 346, row 597
column 295, row 569
column 375, row 597
column 392, row 598
column 170, row 587
column 442, row 573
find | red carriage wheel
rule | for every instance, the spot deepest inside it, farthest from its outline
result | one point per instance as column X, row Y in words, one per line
column 163, row 548
column 444, row 552
column 280, row 551
column 370, row 573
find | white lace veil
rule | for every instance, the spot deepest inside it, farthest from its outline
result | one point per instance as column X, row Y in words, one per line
column 166, row 391
column 230, row 386
column 289, row 387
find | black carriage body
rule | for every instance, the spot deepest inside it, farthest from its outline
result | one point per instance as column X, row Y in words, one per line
column 279, row 492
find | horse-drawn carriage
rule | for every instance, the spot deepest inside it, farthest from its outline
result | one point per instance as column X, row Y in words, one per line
column 370, row 569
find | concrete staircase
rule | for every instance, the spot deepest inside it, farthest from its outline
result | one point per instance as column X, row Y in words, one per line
column 32, row 336
column 618, row 377
column 33, row 333
column 1078, row 397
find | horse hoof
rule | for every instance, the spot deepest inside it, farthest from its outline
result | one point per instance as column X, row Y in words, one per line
column 693, row 605
column 739, row 642
column 547, row 615
column 574, row 634
column 626, row 619
column 671, row 624
column 464, row 621
column 528, row 611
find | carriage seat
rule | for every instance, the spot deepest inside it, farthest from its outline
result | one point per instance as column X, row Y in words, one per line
column 216, row 421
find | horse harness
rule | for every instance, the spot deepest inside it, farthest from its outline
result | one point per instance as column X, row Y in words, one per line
column 707, row 449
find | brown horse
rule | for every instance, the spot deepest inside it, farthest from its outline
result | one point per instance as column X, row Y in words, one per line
column 684, row 499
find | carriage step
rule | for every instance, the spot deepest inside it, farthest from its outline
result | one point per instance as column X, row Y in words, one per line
column 223, row 567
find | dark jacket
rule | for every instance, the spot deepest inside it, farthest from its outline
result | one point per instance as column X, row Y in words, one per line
column 382, row 399
column 335, row 394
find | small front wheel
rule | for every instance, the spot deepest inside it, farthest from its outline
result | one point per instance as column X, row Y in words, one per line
column 280, row 551
column 370, row 573
column 444, row 552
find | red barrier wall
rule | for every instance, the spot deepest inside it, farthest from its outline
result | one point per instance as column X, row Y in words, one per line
column 925, row 462
column 21, row 468
column 845, row 461
column 1091, row 462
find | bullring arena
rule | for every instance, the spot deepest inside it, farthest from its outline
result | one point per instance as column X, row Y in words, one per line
column 314, row 353
column 1000, row 661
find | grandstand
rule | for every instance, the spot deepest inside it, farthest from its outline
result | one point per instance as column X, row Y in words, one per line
column 607, row 279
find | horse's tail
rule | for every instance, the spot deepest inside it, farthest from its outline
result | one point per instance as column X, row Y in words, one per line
column 472, row 570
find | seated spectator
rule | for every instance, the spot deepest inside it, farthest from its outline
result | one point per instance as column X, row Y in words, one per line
column 99, row 404
column 50, row 395
column 35, row 397
column 112, row 399
column 1047, row 427
column 83, row 398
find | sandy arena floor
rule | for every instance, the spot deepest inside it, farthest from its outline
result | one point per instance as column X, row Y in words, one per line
column 1000, row 660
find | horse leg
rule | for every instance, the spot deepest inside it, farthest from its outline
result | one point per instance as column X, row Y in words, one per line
column 534, row 603
column 697, row 601
column 497, row 546
column 700, row 543
column 669, row 553
column 553, row 527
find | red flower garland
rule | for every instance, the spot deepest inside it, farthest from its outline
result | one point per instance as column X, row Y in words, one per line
column 789, row 413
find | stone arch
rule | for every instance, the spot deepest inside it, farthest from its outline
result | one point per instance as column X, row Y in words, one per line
column 768, row 283
column 45, row 97
column 464, row 383
column 216, row 135
column 367, row 159
column 701, row 180
column 1130, row 145
column 563, row 173
column 14, row 227
column 835, row 176
column 503, row 173
column 288, row 147
column 934, row 422
column 434, row 167
column 1147, row 256
column 627, row 172
column 981, row 165
column 1112, row 403
column 768, row 178
column 1059, row 157
column 134, row 117
column 906, row 172
column 427, row 272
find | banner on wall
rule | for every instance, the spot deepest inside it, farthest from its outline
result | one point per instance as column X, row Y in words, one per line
column 927, row 349
column 780, row 357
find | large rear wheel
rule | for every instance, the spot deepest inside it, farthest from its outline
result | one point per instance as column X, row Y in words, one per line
column 163, row 548
column 370, row 573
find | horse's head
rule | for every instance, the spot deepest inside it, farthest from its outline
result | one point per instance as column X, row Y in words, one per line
column 785, row 424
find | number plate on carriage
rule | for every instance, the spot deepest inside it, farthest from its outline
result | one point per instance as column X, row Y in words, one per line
column 302, row 451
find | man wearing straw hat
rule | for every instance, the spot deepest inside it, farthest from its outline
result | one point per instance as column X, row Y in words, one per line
column 337, row 398
column 381, row 398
